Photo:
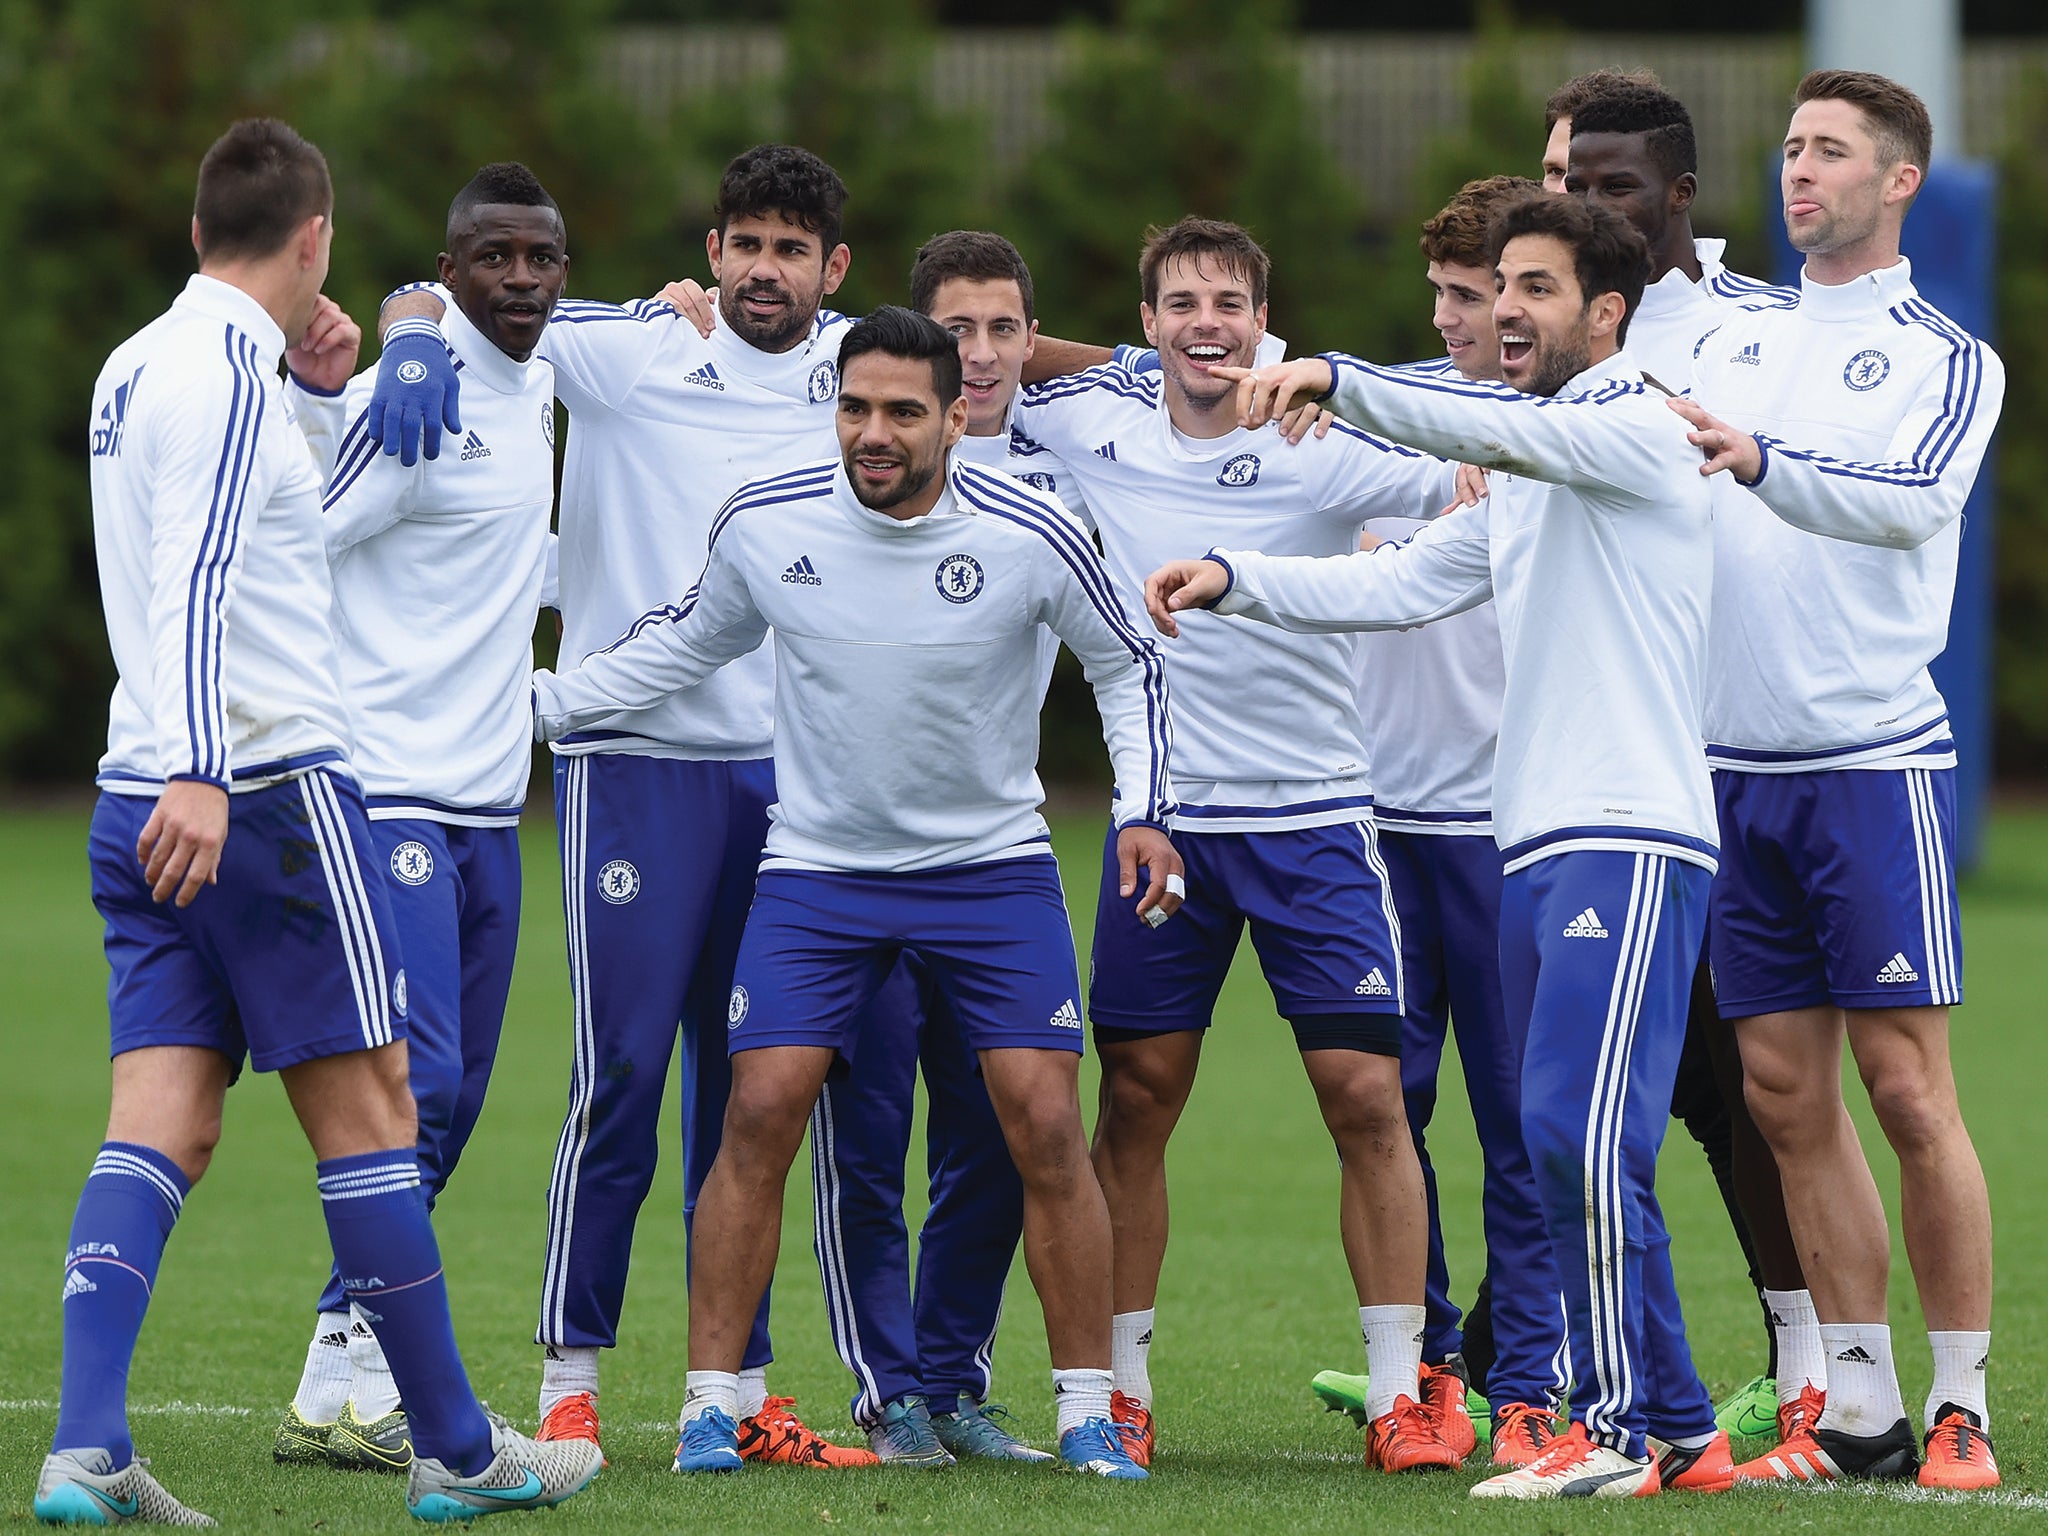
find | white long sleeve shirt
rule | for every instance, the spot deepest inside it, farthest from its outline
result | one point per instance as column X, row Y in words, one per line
column 1671, row 324
column 1266, row 729
column 664, row 426
column 908, row 666
column 438, row 571
column 213, row 573
column 1834, row 572
column 1596, row 548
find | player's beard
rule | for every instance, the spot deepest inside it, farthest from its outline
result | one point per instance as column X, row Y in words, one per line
column 1559, row 362
column 916, row 476
column 778, row 332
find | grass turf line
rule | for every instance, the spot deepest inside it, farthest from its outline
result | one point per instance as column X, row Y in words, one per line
column 1253, row 1301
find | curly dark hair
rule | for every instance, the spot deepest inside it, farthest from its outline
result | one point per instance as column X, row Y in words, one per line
column 783, row 179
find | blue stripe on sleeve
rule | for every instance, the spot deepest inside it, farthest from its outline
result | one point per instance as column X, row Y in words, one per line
column 358, row 453
column 206, row 594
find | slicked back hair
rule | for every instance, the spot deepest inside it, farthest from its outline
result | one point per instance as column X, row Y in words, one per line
column 1231, row 246
column 898, row 332
column 505, row 182
column 1897, row 118
column 772, row 179
column 1608, row 255
column 258, row 183
column 1656, row 114
column 1566, row 100
column 973, row 254
column 1456, row 235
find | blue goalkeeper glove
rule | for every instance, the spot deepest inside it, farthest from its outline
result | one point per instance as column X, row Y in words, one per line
column 417, row 392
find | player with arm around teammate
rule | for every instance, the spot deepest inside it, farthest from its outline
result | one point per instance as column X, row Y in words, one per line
column 1596, row 551
column 437, row 572
column 906, row 711
column 1852, row 422
column 232, row 860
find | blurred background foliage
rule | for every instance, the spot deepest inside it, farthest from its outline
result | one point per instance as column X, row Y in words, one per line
column 1165, row 107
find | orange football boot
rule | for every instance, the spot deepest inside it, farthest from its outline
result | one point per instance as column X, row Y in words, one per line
column 1958, row 1452
column 1133, row 1421
column 573, row 1418
column 1443, row 1394
column 777, row 1437
column 1710, row 1469
column 1407, row 1439
column 1522, row 1432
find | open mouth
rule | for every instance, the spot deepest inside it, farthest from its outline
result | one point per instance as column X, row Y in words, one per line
column 1801, row 207
column 763, row 302
column 981, row 391
column 1206, row 354
column 872, row 468
column 1515, row 348
column 520, row 309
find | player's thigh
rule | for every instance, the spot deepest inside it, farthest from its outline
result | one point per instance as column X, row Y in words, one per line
column 425, row 888
column 1880, row 876
column 1322, row 919
column 1766, row 954
column 997, row 944
column 817, row 948
column 1166, row 978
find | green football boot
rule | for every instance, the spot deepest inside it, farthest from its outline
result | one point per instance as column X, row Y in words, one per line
column 1750, row 1410
column 300, row 1442
column 1341, row 1392
column 383, row 1445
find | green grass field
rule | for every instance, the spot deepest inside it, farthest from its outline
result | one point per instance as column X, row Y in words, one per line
column 1254, row 1299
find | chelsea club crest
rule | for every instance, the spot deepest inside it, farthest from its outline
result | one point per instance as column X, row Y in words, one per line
column 547, row 421
column 618, row 882
column 1866, row 370
column 824, row 383
column 412, row 863
column 958, row 578
column 1242, row 470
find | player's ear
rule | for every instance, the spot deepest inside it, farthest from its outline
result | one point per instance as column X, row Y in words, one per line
column 444, row 264
column 197, row 249
column 956, row 420
column 1030, row 340
column 1683, row 191
column 1606, row 314
column 712, row 251
column 835, row 267
column 1149, row 323
column 1903, row 182
column 1260, row 320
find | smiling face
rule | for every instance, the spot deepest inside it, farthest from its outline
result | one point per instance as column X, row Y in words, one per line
column 1839, row 192
column 987, row 319
column 1549, row 334
column 1205, row 319
column 506, row 270
column 1464, row 317
column 772, row 275
column 893, row 433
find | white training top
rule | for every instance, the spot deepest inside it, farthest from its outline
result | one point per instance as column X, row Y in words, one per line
column 1835, row 572
column 664, row 426
column 437, row 578
column 1429, row 703
column 1595, row 545
column 908, row 676
column 213, row 576
column 1266, row 728
column 1676, row 313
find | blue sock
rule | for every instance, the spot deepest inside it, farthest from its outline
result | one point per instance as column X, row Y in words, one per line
column 125, row 1212
column 391, row 1270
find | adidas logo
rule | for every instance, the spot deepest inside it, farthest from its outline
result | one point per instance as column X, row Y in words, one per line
column 1586, row 925
column 1145, row 1341
column 75, row 1284
column 336, row 1340
column 1067, row 1016
column 1751, row 354
column 1856, row 1354
column 706, row 376
column 803, row 574
column 473, row 448
column 1897, row 969
column 1374, row 985
column 1777, row 1321
column 552, row 1353
column 1107, row 451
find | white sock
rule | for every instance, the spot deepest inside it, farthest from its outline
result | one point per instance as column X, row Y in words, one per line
column 753, row 1390
column 1130, row 1351
column 565, row 1370
column 1959, row 1361
column 705, row 1390
column 371, row 1388
column 1393, row 1355
column 323, row 1388
column 1863, row 1385
column 1080, row 1395
column 1801, row 1360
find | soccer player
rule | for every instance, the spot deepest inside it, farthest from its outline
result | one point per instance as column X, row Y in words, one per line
column 1429, row 701
column 1275, row 815
column 1854, row 420
column 437, row 573
column 1632, row 151
column 232, row 861
column 1597, row 552
column 663, row 812
column 906, row 714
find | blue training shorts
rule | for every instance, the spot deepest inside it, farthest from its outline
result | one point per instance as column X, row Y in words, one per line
column 1836, row 887
column 993, row 938
column 291, row 956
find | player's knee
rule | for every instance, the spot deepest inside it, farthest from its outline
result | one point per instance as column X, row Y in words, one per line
column 1140, row 1099
column 1046, row 1143
column 763, row 1125
column 1914, row 1112
column 1788, row 1106
column 1368, row 1115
